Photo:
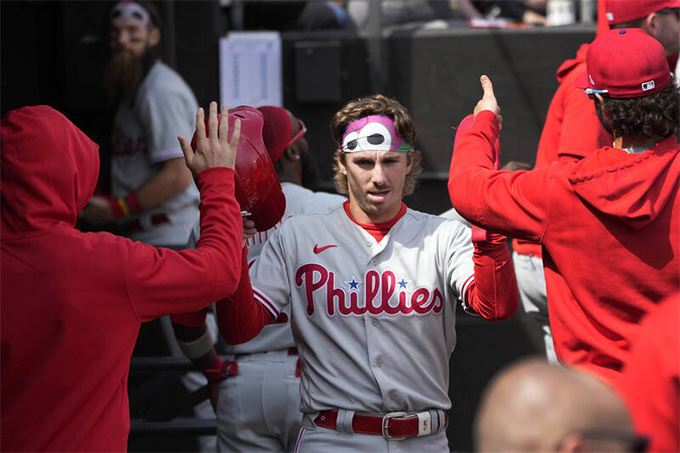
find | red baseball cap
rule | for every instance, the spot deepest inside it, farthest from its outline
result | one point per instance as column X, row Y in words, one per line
column 620, row 11
column 625, row 63
column 276, row 131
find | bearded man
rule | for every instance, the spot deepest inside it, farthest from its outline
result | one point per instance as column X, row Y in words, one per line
column 153, row 198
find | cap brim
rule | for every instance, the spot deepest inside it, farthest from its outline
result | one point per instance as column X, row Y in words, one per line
column 581, row 81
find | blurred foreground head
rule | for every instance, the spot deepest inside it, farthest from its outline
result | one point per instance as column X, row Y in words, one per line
column 535, row 406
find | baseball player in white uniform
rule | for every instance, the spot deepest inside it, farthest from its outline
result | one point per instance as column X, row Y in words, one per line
column 371, row 287
column 259, row 402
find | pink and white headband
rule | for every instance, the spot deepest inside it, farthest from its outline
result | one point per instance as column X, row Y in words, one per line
column 131, row 11
column 373, row 133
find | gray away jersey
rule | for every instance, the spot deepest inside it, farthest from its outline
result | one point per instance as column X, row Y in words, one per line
column 374, row 322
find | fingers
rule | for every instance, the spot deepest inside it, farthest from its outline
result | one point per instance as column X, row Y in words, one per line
column 235, row 136
column 224, row 125
column 213, row 135
column 200, row 128
column 487, row 86
column 249, row 229
column 186, row 148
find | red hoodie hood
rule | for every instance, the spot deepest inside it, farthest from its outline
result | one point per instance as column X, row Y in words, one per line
column 569, row 65
column 635, row 188
column 49, row 169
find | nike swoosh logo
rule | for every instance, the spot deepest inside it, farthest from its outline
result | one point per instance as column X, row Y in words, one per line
column 318, row 249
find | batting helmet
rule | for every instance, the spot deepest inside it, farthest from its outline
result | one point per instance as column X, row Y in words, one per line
column 258, row 189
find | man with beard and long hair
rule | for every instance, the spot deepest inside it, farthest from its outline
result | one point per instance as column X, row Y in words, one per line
column 153, row 198
column 264, row 373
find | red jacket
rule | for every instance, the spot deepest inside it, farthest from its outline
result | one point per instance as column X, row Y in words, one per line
column 72, row 302
column 651, row 380
column 571, row 131
column 608, row 225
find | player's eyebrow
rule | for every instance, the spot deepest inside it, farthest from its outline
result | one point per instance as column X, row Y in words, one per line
column 364, row 160
column 390, row 159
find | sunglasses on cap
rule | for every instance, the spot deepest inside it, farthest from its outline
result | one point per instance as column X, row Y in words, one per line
column 591, row 93
column 300, row 133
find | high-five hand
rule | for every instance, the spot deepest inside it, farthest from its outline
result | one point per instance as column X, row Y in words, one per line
column 213, row 149
column 488, row 101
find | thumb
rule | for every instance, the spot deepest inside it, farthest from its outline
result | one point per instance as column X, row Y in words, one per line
column 487, row 86
column 186, row 149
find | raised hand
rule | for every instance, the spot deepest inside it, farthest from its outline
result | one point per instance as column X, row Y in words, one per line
column 212, row 149
column 488, row 101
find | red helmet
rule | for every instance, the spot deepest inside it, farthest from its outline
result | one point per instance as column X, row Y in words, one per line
column 258, row 189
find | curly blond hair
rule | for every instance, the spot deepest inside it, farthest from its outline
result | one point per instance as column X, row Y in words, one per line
column 376, row 104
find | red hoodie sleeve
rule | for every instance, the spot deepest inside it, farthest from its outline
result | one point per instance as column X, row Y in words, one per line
column 161, row 281
column 240, row 317
column 510, row 203
column 493, row 294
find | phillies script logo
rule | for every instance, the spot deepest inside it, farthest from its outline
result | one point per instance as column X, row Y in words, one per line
column 382, row 293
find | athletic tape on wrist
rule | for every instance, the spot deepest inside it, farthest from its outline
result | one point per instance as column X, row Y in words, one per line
column 133, row 203
column 198, row 347
column 117, row 210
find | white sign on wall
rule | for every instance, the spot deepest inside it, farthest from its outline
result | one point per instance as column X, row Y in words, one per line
column 250, row 69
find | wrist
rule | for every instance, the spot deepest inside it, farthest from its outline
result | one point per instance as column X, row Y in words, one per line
column 117, row 211
column 132, row 203
column 124, row 207
column 199, row 347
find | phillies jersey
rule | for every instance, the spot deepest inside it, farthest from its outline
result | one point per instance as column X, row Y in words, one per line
column 299, row 200
column 144, row 136
column 374, row 322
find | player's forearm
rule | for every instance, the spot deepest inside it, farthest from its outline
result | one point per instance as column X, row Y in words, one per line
column 198, row 345
column 221, row 223
column 240, row 317
column 511, row 203
column 472, row 159
column 494, row 294
column 171, row 180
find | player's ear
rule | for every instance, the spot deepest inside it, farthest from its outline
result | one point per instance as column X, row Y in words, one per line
column 409, row 161
column 340, row 158
column 292, row 154
column 154, row 36
column 650, row 24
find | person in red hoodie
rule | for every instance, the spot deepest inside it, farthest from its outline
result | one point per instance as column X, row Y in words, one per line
column 572, row 131
column 655, row 364
column 658, row 18
column 73, row 302
column 606, row 223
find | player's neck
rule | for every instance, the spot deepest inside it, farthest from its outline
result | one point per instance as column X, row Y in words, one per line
column 631, row 142
column 360, row 216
